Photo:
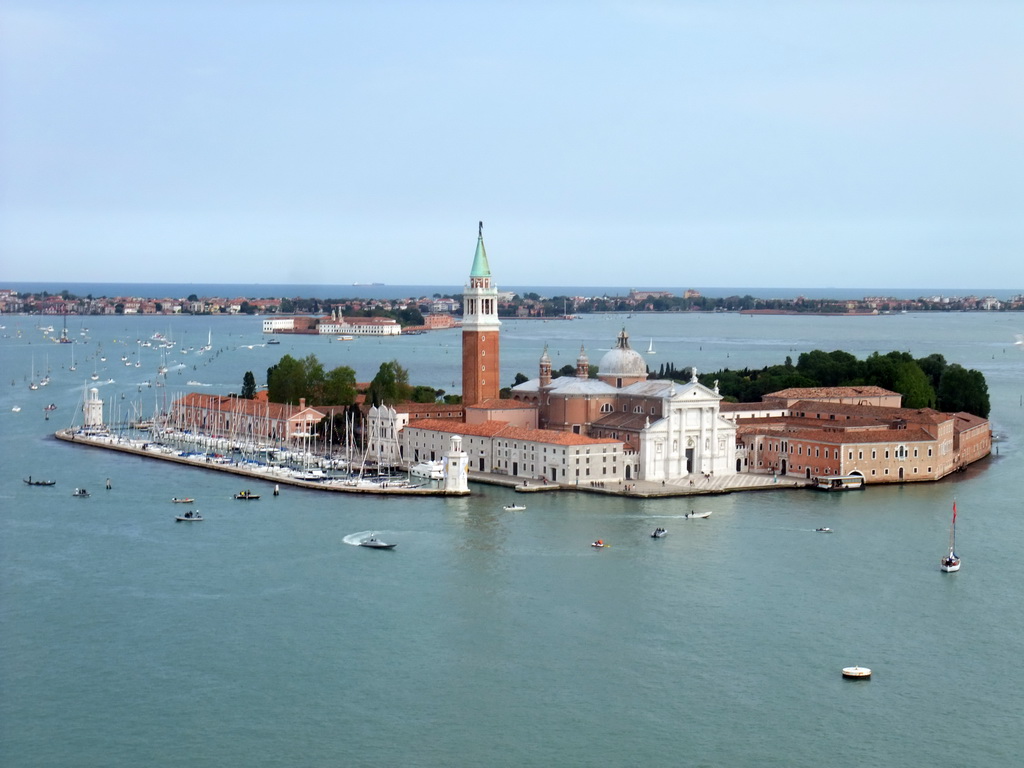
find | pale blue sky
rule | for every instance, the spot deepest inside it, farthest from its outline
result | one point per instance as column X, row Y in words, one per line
column 642, row 143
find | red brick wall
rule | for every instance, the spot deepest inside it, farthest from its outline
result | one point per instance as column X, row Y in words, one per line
column 481, row 367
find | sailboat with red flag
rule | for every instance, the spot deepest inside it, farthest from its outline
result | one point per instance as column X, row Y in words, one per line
column 951, row 562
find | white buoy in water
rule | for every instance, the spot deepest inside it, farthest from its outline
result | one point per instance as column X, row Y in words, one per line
column 856, row 673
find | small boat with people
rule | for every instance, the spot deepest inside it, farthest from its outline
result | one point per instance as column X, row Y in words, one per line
column 951, row 562
column 189, row 517
column 691, row 515
column 658, row 533
column 599, row 544
column 29, row 481
column 823, row 530
column 373, row 542
column 247, row 496
column 80, row 493
column 514, row 507
column 187, row 500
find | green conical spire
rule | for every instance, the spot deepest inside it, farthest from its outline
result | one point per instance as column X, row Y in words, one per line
column 480, row 266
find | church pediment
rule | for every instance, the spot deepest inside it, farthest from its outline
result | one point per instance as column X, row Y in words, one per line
column 693, row 393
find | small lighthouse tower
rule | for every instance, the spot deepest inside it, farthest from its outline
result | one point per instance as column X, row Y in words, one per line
column 92, row 410
column 456, row 467
column 481, row 368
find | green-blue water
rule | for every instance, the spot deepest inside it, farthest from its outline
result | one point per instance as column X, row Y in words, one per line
column 260, row 638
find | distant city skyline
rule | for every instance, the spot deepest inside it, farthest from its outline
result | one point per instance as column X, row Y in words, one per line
column 651, row 144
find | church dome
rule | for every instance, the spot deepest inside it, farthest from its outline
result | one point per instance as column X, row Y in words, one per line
column 623, row 361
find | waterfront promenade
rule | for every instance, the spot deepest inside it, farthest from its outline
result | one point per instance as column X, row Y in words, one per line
column 280, row 475
column 702, row 486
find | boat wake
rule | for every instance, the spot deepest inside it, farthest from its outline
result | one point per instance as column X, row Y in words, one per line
column 354, row 538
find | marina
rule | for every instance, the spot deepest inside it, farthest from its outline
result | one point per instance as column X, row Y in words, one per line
column 507, row 623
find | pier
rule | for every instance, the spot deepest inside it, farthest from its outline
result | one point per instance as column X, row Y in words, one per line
column 278, row 475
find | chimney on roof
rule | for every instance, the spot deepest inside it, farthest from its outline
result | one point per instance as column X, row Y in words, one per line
column 302, row 402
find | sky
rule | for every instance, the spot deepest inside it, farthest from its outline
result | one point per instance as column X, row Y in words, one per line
column 648, row 143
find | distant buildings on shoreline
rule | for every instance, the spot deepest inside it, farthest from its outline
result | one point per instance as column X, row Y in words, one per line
column 509, row 305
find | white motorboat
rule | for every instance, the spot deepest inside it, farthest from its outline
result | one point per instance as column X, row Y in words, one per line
column 658, row 533
column 432, row 470
column 374, row 543
column 514, row 507
column 697, row 515
column 189, row 517
column 80, row 493
column 823, row 530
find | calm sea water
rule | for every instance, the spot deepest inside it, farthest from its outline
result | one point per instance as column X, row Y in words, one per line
column 260, row 638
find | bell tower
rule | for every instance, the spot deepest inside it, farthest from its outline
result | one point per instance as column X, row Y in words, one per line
column 480, row 326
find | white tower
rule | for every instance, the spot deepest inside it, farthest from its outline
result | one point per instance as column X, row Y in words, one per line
column 92, row 410
column 456, row 467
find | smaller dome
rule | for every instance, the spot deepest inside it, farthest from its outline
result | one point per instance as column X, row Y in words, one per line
column 623, row 361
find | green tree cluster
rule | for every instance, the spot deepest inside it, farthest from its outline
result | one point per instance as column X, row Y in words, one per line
column 248, row 386
column 390, row 385
column 290, row 379
column 928, row 382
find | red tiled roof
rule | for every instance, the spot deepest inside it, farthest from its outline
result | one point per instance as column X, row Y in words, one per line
column 427, row 408
column 878, row 412
column 499, row 404
column 261, row 408
column 965, row 421
column 813, row 392
column 837, row 437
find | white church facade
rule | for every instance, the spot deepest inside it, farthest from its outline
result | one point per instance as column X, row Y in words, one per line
column 672, row 431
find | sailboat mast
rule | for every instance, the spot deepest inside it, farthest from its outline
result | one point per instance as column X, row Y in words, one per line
column 952, row 531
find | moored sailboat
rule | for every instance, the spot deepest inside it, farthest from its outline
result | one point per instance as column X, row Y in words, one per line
column 951, row 562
